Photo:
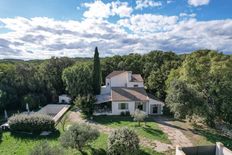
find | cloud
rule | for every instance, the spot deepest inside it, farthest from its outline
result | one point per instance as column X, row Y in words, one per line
column 192, row 15
column 99, row 9
column 198, row 2
column 149, row 23
column 42, row 37
column 140, row 4
column 169, row 1
column 121, row 8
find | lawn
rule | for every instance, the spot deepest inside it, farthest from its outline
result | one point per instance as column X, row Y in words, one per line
column 21, row 144
column 150, row 130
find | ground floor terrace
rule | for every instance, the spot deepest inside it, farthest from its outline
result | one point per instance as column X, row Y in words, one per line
column 119, row 107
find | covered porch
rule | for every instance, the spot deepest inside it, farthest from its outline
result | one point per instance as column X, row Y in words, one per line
column 103, row 108
column 142, row 105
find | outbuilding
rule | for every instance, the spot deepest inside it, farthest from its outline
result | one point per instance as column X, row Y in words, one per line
column 64, row 98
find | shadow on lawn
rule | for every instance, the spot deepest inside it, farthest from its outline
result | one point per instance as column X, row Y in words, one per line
column 213, row 136
column 99, row 151
column 152, row 131
column 24, row 136
column 106, row 120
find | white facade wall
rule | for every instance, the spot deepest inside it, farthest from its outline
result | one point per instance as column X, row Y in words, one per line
column 119, row 80
column 222, row 150
column 105, row 90
column 117, row 111
column 131, row 84
column 64, row 99
column 129, row 75
column 155, row 102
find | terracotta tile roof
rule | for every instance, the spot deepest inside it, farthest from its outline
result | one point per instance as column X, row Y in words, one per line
column 129, row 94
column 136, row 78
column 114, row 73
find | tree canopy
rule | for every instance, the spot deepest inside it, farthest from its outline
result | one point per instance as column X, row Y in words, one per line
column 199, row 83
column 204, row 82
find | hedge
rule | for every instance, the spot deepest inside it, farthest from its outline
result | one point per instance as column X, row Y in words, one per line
column 34, row 123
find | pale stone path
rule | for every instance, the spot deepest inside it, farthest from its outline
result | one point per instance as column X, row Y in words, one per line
column 174, row 133
column 154, row 144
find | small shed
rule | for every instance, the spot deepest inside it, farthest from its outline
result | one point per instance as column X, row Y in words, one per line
column 64, row 98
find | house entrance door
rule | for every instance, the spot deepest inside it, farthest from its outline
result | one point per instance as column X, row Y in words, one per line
column 155, row 109
column 140, row 106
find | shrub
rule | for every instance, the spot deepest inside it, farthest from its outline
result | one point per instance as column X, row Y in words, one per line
column 85, row 104
column 0, row 135
column 139, row 116
column 123, row 141
column 44, row 148
column 127, row 113
column 78, row 135
column 34, row 123
column 122, row 113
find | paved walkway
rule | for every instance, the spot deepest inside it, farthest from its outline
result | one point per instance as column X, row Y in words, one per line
column 174, row 133
column 153, row 144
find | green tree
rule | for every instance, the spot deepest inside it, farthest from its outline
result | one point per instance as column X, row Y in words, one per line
column 85, row 104
column 78, row 135
column 183, row 100
column 33, row 100
column 139, row 116
column 51, row 75
column 44, row 148
column 78, row 79
column 8, row 92
column 209, row 75
column 96, row 73
column 123, row 141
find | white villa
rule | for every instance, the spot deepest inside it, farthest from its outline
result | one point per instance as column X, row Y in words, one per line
column 124, row 92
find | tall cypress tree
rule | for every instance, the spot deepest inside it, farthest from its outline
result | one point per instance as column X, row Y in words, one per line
column 96, row 73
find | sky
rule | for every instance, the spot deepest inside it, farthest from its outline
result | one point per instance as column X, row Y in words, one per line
column 39, row 29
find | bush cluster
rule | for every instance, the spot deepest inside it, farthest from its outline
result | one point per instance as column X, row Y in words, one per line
column 78, row 135
column 34, row 123
column 125, row 113
column 85, row 104
column 123, row 141
column 44, row 148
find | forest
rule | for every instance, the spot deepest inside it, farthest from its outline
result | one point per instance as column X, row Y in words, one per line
column 196, row 84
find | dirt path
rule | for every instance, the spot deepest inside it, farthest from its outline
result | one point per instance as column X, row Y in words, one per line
column 174, row 133
column 153, row 144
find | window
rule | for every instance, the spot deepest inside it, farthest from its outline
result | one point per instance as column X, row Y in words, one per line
column 108, row 83
column 135, row 85
column 123, row 106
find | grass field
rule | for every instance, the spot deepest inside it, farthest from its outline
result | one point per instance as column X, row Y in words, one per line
column 149, row 130
column 21, row 144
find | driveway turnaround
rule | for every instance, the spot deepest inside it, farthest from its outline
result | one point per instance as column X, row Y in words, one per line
column 174, row 133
